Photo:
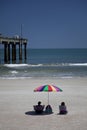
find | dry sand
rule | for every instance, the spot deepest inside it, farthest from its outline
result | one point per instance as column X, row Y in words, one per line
column 17, row 99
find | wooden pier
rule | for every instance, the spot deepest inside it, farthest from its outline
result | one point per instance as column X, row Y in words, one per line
column 10, row 48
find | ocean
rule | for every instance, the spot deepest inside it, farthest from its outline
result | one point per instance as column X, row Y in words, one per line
column 60, row 63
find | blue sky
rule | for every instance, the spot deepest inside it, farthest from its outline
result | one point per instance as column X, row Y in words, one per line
column 46, row 23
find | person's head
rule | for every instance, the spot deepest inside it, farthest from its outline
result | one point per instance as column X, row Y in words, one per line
column 62, row 103
column 39, row 103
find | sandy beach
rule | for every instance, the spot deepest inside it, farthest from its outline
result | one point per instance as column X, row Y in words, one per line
column 17, row 99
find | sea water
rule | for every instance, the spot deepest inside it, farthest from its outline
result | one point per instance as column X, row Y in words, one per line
column 61, row 63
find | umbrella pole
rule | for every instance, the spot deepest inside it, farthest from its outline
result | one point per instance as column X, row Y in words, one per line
column 48, row 97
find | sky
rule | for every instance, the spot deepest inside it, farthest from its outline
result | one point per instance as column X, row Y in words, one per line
column 46, row 23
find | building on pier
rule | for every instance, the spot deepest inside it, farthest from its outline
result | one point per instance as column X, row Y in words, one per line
column 10, row 48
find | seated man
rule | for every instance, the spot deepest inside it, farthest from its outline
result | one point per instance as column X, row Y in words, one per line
column 39, row 108
column 62, row 108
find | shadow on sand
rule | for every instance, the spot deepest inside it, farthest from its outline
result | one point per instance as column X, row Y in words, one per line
column 33, row 113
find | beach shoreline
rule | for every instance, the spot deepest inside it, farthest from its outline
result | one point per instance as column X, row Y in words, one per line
column 17, row 99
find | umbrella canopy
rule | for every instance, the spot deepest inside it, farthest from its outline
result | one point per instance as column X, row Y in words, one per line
column 47, row 88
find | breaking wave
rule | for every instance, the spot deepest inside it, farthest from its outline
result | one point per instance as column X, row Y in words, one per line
column 38, row 65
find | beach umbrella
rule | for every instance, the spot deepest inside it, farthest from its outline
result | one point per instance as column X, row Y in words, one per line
column 47, row 88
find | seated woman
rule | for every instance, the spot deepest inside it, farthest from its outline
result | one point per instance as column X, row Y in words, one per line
column 48, row 109
column 62, row 108
column 39, row 108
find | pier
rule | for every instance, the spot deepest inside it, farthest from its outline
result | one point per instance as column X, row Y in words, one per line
column 10, row 49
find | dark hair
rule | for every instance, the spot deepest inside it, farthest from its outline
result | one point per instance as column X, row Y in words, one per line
column 63, row 103
column 39, row 102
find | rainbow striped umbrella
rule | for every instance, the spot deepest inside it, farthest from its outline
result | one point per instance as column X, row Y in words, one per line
column 47, row 88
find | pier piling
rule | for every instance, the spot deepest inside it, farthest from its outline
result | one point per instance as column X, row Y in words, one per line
column 10, row 44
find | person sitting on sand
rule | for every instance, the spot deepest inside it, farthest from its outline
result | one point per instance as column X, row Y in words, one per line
column 62, row 108
column 39, row 108
column 48, row 109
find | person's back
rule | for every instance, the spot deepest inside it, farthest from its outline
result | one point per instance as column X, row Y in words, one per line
column 39, row 108
column 48, row 109
column 62, row 108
